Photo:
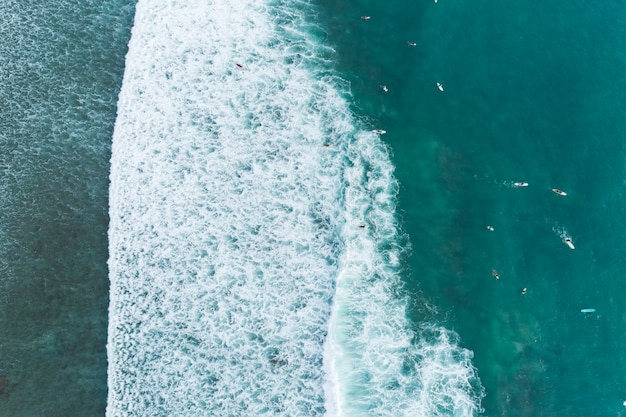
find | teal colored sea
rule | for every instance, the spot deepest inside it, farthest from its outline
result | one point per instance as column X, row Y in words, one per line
column 312, row 208
column 534, row 93
column 61, row 67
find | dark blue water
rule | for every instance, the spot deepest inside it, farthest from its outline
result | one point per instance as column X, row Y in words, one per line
column 61, row 66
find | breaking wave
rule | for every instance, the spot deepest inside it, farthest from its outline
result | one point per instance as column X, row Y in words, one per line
column 254, row 251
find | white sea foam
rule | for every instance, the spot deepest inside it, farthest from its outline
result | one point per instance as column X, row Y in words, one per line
column 563, row 234
column 378, row 365
column 248, row 213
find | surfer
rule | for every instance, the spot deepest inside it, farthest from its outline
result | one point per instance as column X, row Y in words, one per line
column 411, row 43
column 490, row 228
column 520, row 184
column 384, row 88
column 440, row 87
column 366, row 17
column 524, row 291
column 379, row 131
column 495, row 274
column 559, row 192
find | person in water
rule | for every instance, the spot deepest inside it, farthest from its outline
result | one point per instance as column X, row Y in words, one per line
column 495, row 274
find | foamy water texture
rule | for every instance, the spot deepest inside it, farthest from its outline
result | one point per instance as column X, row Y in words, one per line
column 253, row 254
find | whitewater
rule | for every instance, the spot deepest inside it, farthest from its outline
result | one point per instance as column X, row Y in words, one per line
column 255, row 255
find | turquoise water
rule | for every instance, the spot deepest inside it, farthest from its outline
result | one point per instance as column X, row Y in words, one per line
column 533, row 93
column 61, row 66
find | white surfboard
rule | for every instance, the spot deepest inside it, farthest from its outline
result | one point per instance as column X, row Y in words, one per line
column 559, row 192
column 440, row 87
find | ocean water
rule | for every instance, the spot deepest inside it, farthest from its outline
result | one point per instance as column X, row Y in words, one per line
column 532, row 93
column 268, row 254
column 61, row 67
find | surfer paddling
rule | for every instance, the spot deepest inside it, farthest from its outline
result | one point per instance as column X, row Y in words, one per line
column 559, row 192
column 440, row 87
column 411, row 43
column 520, row 184
column 495, row 274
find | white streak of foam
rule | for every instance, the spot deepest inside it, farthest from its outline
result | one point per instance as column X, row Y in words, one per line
column 224, row 215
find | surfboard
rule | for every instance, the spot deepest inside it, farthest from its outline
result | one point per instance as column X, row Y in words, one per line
column 588, row 310
column 440, row 87
column 520, row 184
column 559, row 192
column 379, row 131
